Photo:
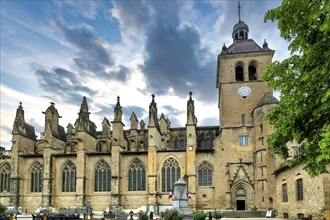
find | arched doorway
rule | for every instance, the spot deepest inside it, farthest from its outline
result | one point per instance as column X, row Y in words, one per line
column 240, row 199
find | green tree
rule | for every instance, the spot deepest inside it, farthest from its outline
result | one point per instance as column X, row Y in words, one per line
column 303, row 113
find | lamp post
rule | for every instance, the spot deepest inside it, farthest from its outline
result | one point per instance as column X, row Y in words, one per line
column 131, row 213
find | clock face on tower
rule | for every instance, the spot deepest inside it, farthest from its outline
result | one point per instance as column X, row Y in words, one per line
column 244, row 91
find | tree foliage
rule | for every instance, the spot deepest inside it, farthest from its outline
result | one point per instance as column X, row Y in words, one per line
column 303, row 114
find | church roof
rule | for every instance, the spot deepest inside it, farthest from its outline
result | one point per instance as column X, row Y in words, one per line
column 244, row 46
column 268, row 98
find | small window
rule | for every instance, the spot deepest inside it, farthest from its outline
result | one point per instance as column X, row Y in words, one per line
column 239, row 73
column 284, row 193
column 241, row 34
column 243, row 119
column 285, row 215
column 99, row 147
column 296, row 150
column 300, row 216
column 300, row 192
column 261, row 128
column 244, row 140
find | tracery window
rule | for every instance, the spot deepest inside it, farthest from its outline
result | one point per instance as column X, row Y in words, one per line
column 102, row 177
column 5, row 178
column 180, row 142
column 136, row 176
column 205, row 141
column 205, row 171
column 171, row 172
column 69, row 177
column 36, row 174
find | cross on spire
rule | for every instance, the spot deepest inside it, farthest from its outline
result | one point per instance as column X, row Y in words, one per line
column 239, row 11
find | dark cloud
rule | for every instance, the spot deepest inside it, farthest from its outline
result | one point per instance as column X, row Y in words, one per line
column 63, row 84
column 172, row 110
column 89, row 45
column 133, row 16
column 105, row 110
column 93, row 57
column 139, row 112
column 175, row 58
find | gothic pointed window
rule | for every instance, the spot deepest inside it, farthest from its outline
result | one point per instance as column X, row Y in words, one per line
column 36, row 174
column 69, row 177
column 136, row 176
column 102, row 177
column 205, row 141
column 180, row 142
column 5, row 178
column 205, row 171
column 171, row 172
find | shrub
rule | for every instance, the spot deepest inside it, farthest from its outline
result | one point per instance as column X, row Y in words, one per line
column 143, row 215
column 200, row 215
column 217, row 214
column 2, row 208
column 173, row 214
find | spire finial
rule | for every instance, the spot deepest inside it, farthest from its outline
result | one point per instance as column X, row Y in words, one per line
column 239, row 11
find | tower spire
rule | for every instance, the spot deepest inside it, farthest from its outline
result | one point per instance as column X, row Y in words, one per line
column 239, row 11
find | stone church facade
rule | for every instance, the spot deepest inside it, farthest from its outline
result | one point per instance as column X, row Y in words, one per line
column 227, row 166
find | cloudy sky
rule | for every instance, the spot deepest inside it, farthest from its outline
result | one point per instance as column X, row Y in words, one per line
column 60, row 51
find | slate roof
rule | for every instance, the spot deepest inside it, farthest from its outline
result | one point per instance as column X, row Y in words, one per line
column 268, row 98
column 244, row 46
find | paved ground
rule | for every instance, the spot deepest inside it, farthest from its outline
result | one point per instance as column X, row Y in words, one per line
column 29, row 217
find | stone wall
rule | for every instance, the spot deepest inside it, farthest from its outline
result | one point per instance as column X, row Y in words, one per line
column 314, row 193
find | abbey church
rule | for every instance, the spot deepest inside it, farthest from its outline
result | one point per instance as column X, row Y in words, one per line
column 226, row 166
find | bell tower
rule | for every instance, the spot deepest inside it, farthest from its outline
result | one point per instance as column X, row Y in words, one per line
column 239, row 76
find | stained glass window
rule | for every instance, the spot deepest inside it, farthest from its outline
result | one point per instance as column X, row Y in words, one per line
column 170, row 174
column 5, row 178
column 69, row 177
column 205, row 174
column 102, row 177
column 136, row 176
column 36, row 177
